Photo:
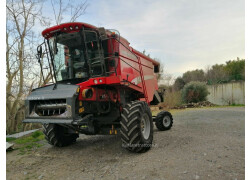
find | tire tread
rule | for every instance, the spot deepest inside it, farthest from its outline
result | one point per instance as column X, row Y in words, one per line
column 130, row 126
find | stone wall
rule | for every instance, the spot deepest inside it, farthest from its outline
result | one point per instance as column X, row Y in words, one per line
column 227, row 94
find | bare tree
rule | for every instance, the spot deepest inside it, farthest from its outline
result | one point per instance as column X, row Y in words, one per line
column 22, row 70
column 61, row 8
column 167, row 79
column 21, row 17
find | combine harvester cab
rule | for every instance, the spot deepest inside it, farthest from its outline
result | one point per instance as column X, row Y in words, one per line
column 100, row 85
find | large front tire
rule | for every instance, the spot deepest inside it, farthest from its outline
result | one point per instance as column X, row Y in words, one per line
column 56, row 135
column 137, row 127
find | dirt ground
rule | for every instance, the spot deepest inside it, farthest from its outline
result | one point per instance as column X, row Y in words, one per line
column 206, row 143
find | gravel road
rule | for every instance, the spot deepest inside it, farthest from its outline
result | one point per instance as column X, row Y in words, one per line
column 206, row 143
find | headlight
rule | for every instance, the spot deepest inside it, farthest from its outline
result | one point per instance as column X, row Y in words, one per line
column 87, row 93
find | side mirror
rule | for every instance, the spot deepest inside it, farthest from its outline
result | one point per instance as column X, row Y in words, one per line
column 156, row 69
column 39, row 51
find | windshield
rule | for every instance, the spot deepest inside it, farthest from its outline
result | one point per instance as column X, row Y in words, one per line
column 70, row 61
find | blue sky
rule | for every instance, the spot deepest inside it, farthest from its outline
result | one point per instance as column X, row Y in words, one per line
column 183, row 34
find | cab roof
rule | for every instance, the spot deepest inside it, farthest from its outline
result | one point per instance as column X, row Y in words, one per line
column 66, row 27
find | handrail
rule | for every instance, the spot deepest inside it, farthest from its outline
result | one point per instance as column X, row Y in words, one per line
column 141, row 72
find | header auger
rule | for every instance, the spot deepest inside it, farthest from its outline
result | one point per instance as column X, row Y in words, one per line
column 100, row 85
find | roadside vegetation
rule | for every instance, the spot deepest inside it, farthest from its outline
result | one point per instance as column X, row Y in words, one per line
column 191, row 87
column 232, row 70
column 27, row 143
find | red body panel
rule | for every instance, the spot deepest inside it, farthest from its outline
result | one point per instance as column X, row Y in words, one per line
column 128, row 66
column 65, row 27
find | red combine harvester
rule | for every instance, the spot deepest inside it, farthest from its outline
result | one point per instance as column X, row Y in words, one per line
column 101, row 85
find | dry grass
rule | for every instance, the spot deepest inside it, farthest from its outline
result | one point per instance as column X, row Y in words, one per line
column 172, row 99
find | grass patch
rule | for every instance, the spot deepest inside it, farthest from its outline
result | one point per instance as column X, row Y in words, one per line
column 28, row 147
column 29, row 139
column 240, row 105
column 27, row 143
column 232, row 105
column 36, row 134
column 10, row 139
column 154, row 113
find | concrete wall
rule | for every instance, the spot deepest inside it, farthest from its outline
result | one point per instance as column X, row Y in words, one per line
column 228, row 93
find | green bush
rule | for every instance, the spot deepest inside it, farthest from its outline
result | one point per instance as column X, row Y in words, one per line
column 194, row 91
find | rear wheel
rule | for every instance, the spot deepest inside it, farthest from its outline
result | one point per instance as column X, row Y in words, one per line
column 136, row 127
column 164, row 120
column 57, row 135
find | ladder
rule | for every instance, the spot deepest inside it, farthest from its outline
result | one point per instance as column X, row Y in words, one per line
column 142, row 80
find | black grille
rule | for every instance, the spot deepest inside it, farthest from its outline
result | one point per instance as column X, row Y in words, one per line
column 52, row 107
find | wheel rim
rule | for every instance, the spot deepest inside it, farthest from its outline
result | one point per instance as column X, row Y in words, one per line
column 145, row 126
column 166, row 121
